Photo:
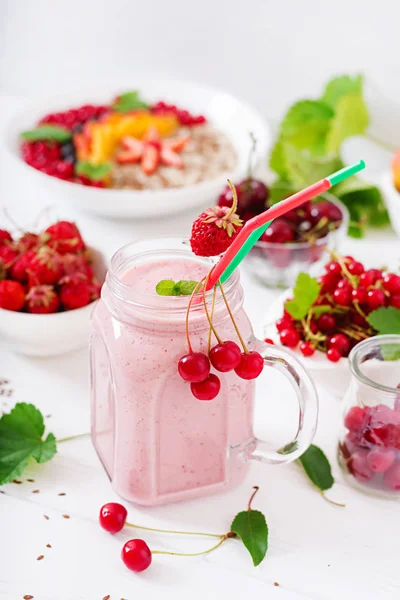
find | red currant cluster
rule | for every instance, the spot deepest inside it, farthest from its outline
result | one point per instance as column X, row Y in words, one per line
column 75, row 117
column 184, row 117
column 225, row 356
column 371, row 448
column 352, row 293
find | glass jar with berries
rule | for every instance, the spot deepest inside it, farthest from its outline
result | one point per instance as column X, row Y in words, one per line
column 369, row 448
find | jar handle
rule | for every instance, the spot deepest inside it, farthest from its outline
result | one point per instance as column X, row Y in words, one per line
column 307, row 397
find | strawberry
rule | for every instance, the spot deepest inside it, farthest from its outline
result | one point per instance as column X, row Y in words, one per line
column 45, row 266
column 8, row 254
column 176, row 144
column 171, row 158
column 5, row 237
column 95, row 289
column 133, row 150
column 19, row 269
column 28, row 241
column 64, row 237
column 42, row 300
column 215, row 229
column 150, row 159
column 77, row 263
column 12, row 295
column 75, row 292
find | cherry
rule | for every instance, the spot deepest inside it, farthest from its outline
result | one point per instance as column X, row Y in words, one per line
column 136, row 555
column 252, row 197
column 355, row 268
column 307, row 349
column 194, row 367
column 269, row 341
column 289, row 338
column 340, row 342
column 359, row 468
column 284, row 323
column 280, row 232
column 207, row 389
column 250, row 366
column 375, row 299
column 395, row 300
column 326, row 209
column 225, row 356
column 355, row 418
column 391, row 283
column 375, row 274
column 342, row 296
column 333, row 355
column 327, row 323
column 359, row 295
column 391, row 478
column 380, row 459
column 112, row 517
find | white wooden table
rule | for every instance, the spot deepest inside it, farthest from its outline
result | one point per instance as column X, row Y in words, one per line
column 316, row 551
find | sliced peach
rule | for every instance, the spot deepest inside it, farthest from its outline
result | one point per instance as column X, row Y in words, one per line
column 396, row 170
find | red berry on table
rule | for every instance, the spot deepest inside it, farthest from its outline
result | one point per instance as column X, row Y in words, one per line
column 391, row 283
column 355, row 268
column 289, row 338
column 136, row 555
column 359, row 468
column 12, row 295
column 225, row 356
column 45, row 266
column 327, row 323
column 214, row 231
column 341, row 342
column 279, row 232
column 359, row 295
column 75, row 292
column 381, row 459
column 194, row 367
column 395, row 300
column 355, row 418
column 112, row 517
column 5, row 236
column 307, row 349
column 391, row 478
column 64, row 237
column 42, row 300
column 284, row 323
column 333, row 355
column 207, row 389
column 342, row 296
column 250, row 366
column 375, row 299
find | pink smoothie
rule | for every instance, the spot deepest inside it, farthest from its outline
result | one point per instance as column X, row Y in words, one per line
column 157, row 442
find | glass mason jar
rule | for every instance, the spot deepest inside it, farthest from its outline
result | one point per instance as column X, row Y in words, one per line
column 158, row 443
column 369, row 448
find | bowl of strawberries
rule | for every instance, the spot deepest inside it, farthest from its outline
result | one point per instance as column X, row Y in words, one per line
column 49, row 281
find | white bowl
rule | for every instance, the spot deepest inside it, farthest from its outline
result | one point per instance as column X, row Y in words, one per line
column 392, row 198
column 234, row 118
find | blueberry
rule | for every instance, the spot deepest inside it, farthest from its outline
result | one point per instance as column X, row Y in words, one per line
column 67, row 152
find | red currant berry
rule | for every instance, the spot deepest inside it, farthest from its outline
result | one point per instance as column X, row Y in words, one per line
column 342, row 296
column 329, row 282
column 225, row 356
column 366, row 279
column 333, row 268
column 375, row 274
column 333, row 355
column 269, row 341
column 307, row 349
column 375, row 299
column 395, row 300
column 355, row 268
column 340, row 342
column 313, row 326
column 284, row 323
column 136, row 555
column 207, row 389
column 289, row 338
column 112, row 517
column 327, row 323
column 359, row 295
column 250, row 366
column 194, row 367
column 391, row 283
column 343, row 284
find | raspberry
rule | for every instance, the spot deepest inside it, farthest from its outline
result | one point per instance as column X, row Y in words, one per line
column 65, row 237
column 42, row 299
column 12, row 295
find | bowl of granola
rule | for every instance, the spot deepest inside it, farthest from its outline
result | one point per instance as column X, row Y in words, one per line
column 157, row 149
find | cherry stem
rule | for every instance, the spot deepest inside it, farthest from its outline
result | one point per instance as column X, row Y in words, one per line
column 72, row 437
column 234, row 203
column 212, row 328
column 339, row 504
column 194, row 553
column 255, row 488
column 212, row 316
column 232, row 318
column 197, row 287
column 252, row 150
column 216, row 535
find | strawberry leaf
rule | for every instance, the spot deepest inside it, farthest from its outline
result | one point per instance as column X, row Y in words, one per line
column 21, row 433
column 305, row 293
column 49, row 133
column 385, row 320
column 129, row 101
column 251, row 527
column 93, row 172
column 317, row 468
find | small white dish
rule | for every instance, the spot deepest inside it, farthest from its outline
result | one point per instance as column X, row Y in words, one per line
column 392, row 198
column 230, row 115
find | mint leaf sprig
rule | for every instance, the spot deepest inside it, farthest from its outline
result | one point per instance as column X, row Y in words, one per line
column 129, row 101
column 168, row 287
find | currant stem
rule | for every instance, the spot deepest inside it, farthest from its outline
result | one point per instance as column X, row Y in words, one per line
column 72, row 437
column 212, row 316
column 192, row 554
column 197, row 287
column 216, row 535
column 245, row 350
column 255, row 488
column 235, row 200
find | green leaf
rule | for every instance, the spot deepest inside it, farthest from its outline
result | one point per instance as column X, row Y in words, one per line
column 317, row 311
column 21, row 433
column 340, row 86
column 317, row 467
column 166, row 287
column 129, row 101
column 306, row 125
column 351, row 118
column 364, row 202
column 391, row 351
column 304, row 169
column 385, row 320
column 93, row 172
column 288, row 448
column 277, row 159
column 305, row 293
column 49, row 133
column 251, row 527
column 186, row 287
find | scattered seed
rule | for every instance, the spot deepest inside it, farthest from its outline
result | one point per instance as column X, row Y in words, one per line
column 28, row 597
column 17, row 481
column 62, row 494
column 41, row 557
column 106, row 597
column 48, row 545
column 276, row 584
column 31, row 480
column 66, row 516
column 35, row 491
column 47, row 416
